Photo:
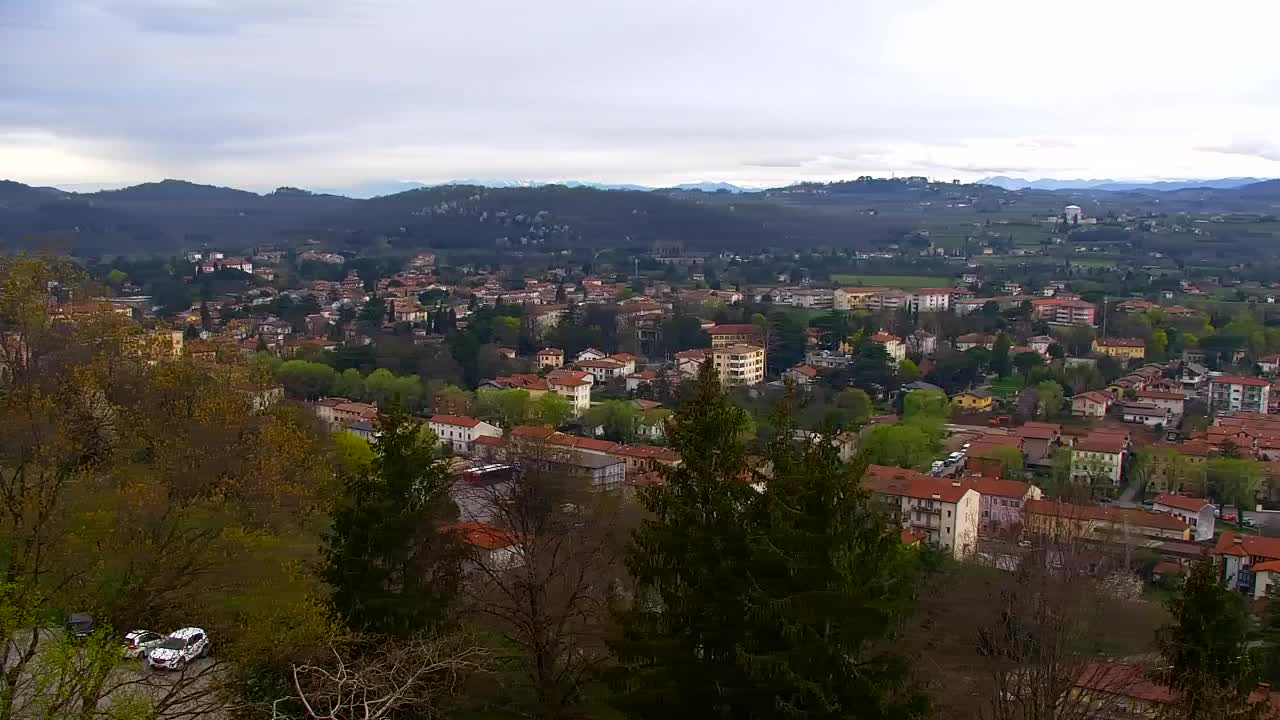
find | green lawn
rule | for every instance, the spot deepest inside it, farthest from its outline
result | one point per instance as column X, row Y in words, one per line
column 893, row 281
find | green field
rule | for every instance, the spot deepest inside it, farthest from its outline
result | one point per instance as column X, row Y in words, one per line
column 893, row 281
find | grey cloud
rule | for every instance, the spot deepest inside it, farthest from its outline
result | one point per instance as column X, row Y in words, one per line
column 208, row 17
column 1249, row 148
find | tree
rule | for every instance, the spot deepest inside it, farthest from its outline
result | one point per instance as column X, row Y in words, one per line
column 1011, row 461
column 907, row 445
column 392, row 571
column 1206, row 650
column 1234, row 481
column 855, row 404
column 786, row 341
column 908, row 371
column 1026, row 362
column 305, row 379
column 1000, row 355
column 507, row 408
column 553, row 409
column 349, row 384
column 871, row 367
column 681, row 633
column 616, row 419
column 925, row 405
column 380, row 679
column 835, row 582
column 550, row 605
column 1050, row 399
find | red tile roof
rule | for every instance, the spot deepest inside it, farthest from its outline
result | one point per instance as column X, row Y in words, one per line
column 1116, row 515
column 569, row 378
column 1120, row 342
column 741, row 329
column 997, row 487
column 1095, row 396
column 1157, row 395
column 1237, row 380
column 1182, row 502
column 909, row 483
column 911, row 537
column 1101, row 443
column 1252, row 545
column 480, row 535
column 459, row 420
column 532, row 432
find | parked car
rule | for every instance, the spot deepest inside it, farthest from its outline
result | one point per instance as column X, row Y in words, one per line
column 1229, row 517
column 139, row 642
column 1249, row 522
column 955, row 457
column 179, row 649
column 80, row 625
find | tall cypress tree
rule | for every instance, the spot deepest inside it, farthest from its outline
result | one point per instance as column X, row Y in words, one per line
column 390, row 569
column 679, row 642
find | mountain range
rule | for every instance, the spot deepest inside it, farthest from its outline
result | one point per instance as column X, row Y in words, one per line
column 377, row 188
column 1012, row 183
column 171, row 215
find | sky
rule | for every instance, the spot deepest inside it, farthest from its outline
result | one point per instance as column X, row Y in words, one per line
column 332, row 93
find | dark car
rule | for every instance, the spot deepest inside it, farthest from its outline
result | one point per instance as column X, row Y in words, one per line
column 80, row 625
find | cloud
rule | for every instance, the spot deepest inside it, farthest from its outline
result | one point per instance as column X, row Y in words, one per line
column 331, row 92
column 205, row 17
column 1263, row 149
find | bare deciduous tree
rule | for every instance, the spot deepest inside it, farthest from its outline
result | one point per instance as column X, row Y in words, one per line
column 369, row 682
column 548, row 594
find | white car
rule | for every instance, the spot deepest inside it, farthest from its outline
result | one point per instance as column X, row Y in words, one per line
column 139, row 642
column 180, row 648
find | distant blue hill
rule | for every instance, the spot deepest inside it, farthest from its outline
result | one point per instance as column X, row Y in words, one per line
column 1012, row 183
column 378, row 188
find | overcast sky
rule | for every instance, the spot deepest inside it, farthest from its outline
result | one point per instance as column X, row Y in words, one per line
column 327, row 93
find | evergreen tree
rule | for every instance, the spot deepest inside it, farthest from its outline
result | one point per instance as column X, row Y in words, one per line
column 763, row 604
column 1206, row 650
column 833, row 581
column 1000, row 355
column 391, row 570
column 679, row 645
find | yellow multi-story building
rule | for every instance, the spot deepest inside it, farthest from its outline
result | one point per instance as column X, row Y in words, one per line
column 739, row 364
column 973, row 400
column 1126, row 348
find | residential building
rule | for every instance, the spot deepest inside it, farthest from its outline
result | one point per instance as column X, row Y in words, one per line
column 973, row 340
column 1041, row 344
column 1144, row 414
column 1091, row 404
column 1064, row 520
column 893, row 345
column 739, row 364
column 602, row 472
column 1171, row 401
column 1098, row 460
column 1039, row 440
column 726, row 335
column 1198, row 513
column 922, row 342
column 459, row 431
column 972, row 401
column 574, row 386
column 1250, row 563
column 590, row 354
column 689, row 362
column 1229, row 393
column 637, row 379
column 931, row 300
column 828, row 359
column 1123, row 348
column 802, row 375
column 1063, row 310
column 947, row 510
column 1178, row 468
column 603, row 370
column 1000, row 502
column 491, row 548
column 552, row 358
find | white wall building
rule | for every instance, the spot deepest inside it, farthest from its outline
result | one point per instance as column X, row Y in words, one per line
column 947, row 511
column 459, row 431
